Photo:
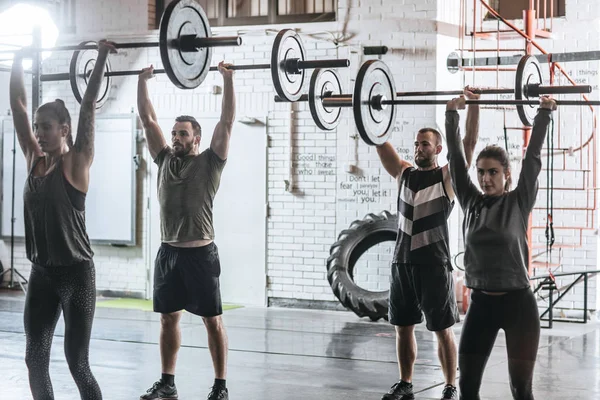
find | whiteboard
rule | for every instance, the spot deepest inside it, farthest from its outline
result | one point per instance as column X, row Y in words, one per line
column 110, row 201
column 239, row 213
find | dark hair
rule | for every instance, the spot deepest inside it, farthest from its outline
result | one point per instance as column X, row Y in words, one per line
column 437, row 134
column 195, row 125
column 61, row 114
column 499, row 154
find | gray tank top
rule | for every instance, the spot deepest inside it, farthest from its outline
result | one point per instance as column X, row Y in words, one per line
column 186, row 189
column 55, row 232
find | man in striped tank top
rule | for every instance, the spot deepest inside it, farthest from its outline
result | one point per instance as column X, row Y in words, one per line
column 421, row 277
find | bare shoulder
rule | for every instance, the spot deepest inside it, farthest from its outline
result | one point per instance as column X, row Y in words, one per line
column 447, row 182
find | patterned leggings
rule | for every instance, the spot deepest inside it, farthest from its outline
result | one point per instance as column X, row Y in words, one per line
column 73, row 290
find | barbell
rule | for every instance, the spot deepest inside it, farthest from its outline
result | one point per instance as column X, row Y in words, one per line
column 186, row 44
column 374, row 99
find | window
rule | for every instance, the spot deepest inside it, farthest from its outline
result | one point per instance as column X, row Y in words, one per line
column 256, row 12
column 513, row 9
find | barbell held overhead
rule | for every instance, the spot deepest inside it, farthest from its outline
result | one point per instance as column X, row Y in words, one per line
column 532, row 90
column 374, row 99
column 326, row 98
column 292, row 66
column 190, row 44
column 185, row 43
column 287, row 72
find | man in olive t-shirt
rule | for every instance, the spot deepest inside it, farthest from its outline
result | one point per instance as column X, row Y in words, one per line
column 187, row 268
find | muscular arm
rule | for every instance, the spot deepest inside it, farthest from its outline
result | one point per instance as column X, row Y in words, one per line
column 83, row 154
column 471, row 132
column 154, row 136
column 464, row 189
column 18, row 106
column 222, row 133
column 391, row 161
column 527, row 186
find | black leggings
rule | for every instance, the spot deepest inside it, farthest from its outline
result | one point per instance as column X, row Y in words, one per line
column 515, row 312
column 73, row 290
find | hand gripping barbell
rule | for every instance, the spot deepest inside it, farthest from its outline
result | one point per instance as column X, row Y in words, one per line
column 186, row 51
column 374, row 99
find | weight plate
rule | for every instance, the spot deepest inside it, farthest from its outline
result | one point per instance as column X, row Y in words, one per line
column 287, row 45
column 529, row 72
column 80, row 70
column 186, row 70
column 323, row 83
column 374, row 79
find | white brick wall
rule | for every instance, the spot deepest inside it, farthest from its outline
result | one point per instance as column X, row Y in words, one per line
column 305, row 222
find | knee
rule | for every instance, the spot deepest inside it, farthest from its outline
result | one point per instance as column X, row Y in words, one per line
column 404, row 331
column 169, row 321
column 213, row 324
column 32, row 360
column 445, row 336
column 37, row 356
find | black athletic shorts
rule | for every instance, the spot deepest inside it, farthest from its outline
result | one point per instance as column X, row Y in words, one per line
column 423, row 289
column 187, row 278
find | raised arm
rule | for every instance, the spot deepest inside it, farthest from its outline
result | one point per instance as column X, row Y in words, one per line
column 527, row 186
column 154, row 136
column 18, row 106
column 472, row 126
column 391, row 161
column 83, row 149
column 464, row 189
column 222, row 133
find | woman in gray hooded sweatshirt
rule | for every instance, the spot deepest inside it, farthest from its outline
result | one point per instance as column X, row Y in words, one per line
column 497, row 254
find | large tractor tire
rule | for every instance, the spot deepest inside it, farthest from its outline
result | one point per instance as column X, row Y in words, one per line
column 350, row 245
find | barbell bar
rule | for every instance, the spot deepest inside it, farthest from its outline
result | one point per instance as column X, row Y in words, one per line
column 192, row 44
column 378, row 102
column 532, row 90
column 294, row 65
column 374, row 98
column 326, row 98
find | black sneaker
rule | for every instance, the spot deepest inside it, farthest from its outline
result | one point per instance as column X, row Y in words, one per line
column 218, row 394
column 450, row 392
column 160, row 391
column 400, row 391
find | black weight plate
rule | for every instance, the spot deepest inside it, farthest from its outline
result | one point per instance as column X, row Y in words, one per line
column 529, row 72
column 374, row 79
column 324, row 82
column 80, row 70
column 287, row 45
column 186, row 70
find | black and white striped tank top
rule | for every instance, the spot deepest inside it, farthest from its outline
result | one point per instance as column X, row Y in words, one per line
column 423, row 211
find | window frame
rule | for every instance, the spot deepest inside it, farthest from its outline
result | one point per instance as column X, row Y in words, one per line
column 559, row 11
column 271, row 18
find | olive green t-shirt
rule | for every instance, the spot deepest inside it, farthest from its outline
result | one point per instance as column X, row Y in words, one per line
column 186, row 189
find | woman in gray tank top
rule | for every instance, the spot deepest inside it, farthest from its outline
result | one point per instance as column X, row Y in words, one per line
column 497, row 255
column 62, row 277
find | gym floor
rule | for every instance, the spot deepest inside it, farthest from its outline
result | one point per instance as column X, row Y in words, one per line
column 286, row 354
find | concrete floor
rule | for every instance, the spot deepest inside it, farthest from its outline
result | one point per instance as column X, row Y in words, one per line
column 286, row 354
